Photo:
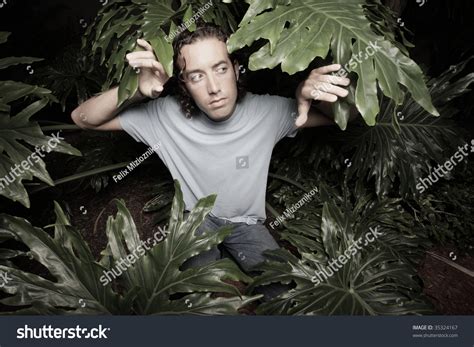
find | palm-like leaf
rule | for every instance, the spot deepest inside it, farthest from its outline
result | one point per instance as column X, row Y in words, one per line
column 378, row 279
column 300, row 30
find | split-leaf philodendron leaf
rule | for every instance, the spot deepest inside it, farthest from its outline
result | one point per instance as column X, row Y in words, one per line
column 83, row 285
column 298, row 31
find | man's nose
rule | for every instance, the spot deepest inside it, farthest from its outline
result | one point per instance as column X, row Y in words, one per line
column 213, row 86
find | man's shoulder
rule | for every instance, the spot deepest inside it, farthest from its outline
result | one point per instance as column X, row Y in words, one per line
column 267, row 103
column 164, row 107
column 168, row 101
column 265, row 98
column 159, row 110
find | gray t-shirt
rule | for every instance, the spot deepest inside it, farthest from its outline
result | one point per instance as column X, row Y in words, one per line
column 229, row 158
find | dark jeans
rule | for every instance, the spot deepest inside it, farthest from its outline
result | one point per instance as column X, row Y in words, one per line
column 245, row 245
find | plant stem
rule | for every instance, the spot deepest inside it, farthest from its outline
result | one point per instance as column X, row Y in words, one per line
column 452, row 264
column 83, row 174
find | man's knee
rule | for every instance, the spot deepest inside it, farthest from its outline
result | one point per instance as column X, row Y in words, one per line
column 202, row 259
column 206, row 257
column 248, row 245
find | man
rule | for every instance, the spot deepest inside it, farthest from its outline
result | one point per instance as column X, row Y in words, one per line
column 214, row 137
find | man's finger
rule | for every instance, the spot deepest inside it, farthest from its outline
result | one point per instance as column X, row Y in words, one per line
column 342, row 81
column 145, row 45
column 327, row 69
column 330, row 89
column 146, row 63
column 320, row 95
column 140, row 55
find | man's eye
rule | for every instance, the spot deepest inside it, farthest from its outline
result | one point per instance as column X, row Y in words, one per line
column 222, row 69
column 196, row 77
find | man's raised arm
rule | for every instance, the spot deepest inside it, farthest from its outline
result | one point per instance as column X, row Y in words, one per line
column 100, row 112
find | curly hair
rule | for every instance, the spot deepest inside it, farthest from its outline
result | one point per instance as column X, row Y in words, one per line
column 204, row 30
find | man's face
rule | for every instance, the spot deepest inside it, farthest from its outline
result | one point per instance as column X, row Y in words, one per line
column 210, row 78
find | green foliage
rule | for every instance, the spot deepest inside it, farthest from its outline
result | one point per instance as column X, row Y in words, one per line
column 298, row 31
column 400, row 151
column 70, row 77
column 445, row 212
column 379, row 279
column 146, row 287
column 68, row 259
column 393, row 154
column 119, row 24
column 18, row 129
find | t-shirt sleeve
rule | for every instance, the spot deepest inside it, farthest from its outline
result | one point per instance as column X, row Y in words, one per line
column 141, row 121
column 285, row 113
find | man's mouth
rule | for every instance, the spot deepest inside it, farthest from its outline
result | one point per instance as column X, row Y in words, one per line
column 217, row 102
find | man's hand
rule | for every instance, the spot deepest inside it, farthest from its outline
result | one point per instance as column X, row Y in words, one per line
column 152, row 75
column 319, row 85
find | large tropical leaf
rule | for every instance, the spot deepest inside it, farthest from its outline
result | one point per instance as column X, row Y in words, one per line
column 151, row 285
column 377, row 279
column 14, row 133
column 158, row 275
column 18, row 131
column 407, row 141
column 10, row 61
column 68, row 259
column 392, row 155
column 298, row 31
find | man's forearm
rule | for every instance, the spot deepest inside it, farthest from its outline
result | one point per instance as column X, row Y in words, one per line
column 321, row 114
column 101, row 108
column 317, row 117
